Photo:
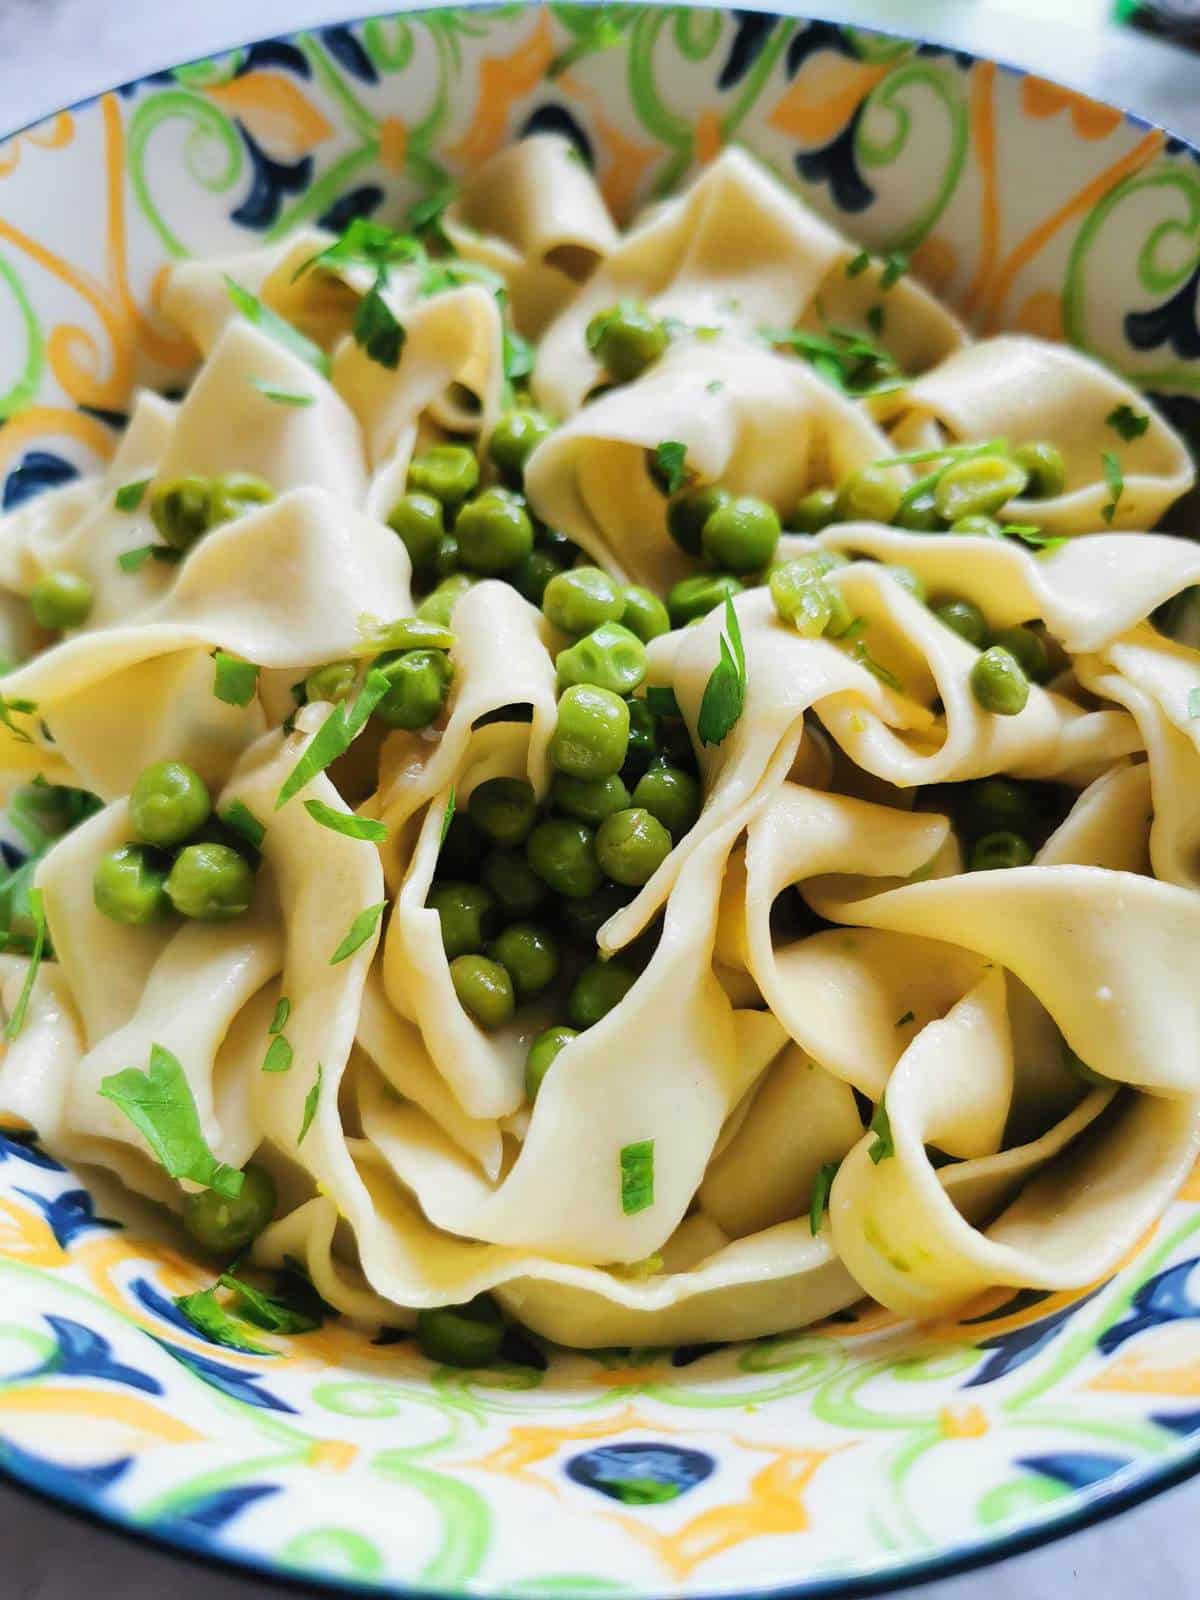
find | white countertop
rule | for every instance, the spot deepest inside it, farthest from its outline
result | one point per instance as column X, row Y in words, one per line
column 53, row 52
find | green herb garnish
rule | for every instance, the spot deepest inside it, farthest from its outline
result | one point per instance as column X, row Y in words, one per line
column 37, row 910
column 725, row 691
column 279, row 1055
column 819, row 1204
column 361, row 929
column 1130, row 424
column 637, row 1177
column 159, row 1103
column 367, row 243
column 1115, row 479
column 282, row 1012
column 668, row 467
column 346, row 823
column 134, row 560
column 311, row 1100
column 905, row 1019
column 238, row 816
column 447, row 818
column 895, row 265
column 881, row 1127
column 858, row 264
column 282, row 397
column 275, row 327
column 235, row 681
column 376, row 329
column 129, row 496
column 267, row 1311
column 335, row 735
column 209, row 1317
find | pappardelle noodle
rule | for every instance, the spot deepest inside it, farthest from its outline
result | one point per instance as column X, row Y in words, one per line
column 637, row 785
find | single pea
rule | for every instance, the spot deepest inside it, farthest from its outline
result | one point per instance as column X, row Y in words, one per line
column 977, row 528
column 235, row 493
column 610, row 657
column 590, row 800
column 493, row 533
column 438, row 605
column 964, row 618
column 129, row 885
column 420, row 681
column 801, row 599
column 631, row 846
column 168, row 802
column 515, row 886
column 225, row 1226
column 461, row 1336
column 688, row 512
column 815, row 510
column 419, row 521
column 582, row 919
column 210, row 882
column 872, row 494
column 461, row 848
column 484, row 988
column 531, row 575
column 60, row 600
column 333, row 682
column 542, row 1052
column 644, row 613
column 563, row 854
column 998, row 683
column 813, row 564
column 581, row 599
column 999, row 805
column 448, row 472
column 515, row 437
column 182, row 510
column 626, row 339
column 977, row 487
column 467, row 912
column 918, row 513
column 643, row 738
column 1029, row 649
column 1043, row 465
column 591, row 735
column 529, row 955
column 599, row 987
column 693, row 598
column 999, row 850
column 504, row 808
column 671, row 795
column 907, row 579
column 741, row 535
column 446, row 559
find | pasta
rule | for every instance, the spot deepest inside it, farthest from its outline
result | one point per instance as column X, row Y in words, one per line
column 637, row 783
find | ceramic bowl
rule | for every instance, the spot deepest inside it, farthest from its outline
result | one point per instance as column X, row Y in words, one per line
column 865, row 1450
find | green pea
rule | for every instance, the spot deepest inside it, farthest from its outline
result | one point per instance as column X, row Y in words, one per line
column 631, row 846
column 418, row 519
column 670, row 795
column 977, row 528
column 626, row 339
column 169, row 801
column 815, row 510
column 688, row 512
column 978, row 486
column 333, row 682
column 225, row 1226
column 493, row 532
column 420, row 682
column 182, row 510
column 599, row 987
column 438, row 605
column 446, row 560
column 466, row 912
column 531, row 575
column 60, row 600
column 644, row 613
column 693, row 598
column 589, row 799
column 643, row 737
column 516, row 887
column 563, row 854
column 801, row 599
column 996, row 850
column 610, row 657
column 504, row 808
column 1043, row 465
column 461, row 1336
column 1029, row 649
column 907, row 579
column 529, row 955
column 235, row 493
column 591, row 735
column 485, row 989
column 542, row 1052
column 582, row 599
column 129, row 885
column 449, row 472
column 211, row 883
column 999, row 805
column 582, row 919
column 964, row 618
column 998, row 683
column 918, row 513
column 872, row 494
column 461, row 848
column 741, row 535
column 515, row 437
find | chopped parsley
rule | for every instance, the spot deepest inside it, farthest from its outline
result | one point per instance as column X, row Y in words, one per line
column 668, row 467
column 376, row 329
column 876, row 668
column 129, row 496
column 282, row 397
column 345, row 822
column 37, row 911
column 425, row 215
column 23, row 708
column 275, row 327
column 845, row 359
column 895, row 265
column 1034, row 536
column 311, row 1101
column 209, row 1317
column 134, row 560
column 714, row 386
column 1115, row 479
column 159, row 1103
column 858, row 264
column 361, row 929
column 235, row 681
column 637, row 1177
column 447, row 817
column 365, row 243
column 268, row 1311
column 335, row 735
column 875, row 320
column 282, row 1012
column 518, row 356
column 725, row 691
column 238, row 816
column 881, row 1127
column 819, row 1204
column 1130, row 424
column 279, row 1055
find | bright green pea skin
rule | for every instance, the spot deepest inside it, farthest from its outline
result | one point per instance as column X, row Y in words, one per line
column 445, row 561
column 672, row 796
column 531, row 575
column 529, row 954
column 129, row 885
column 977, row 528
column 872, row 494
column 182, row 510
column 589, row 800
column 688, row 512
column 448, row 472
column 168, row 802
column 964, row 618
column 591, row 735
column 494, row 533
column 333, row 682
column 60, row 600
column 626, row 339
column 999, row 850
column 438, row 605
column 631, row 846
column 644, row 613
column 599, row 987
column 563, row 854
column 582, row 919
column 998, row 683
column 918, row 513
column 693, row 598
column 800, row 597
column 999, row 805
column 505, row 809
column 210, row 883
column 515, row 437
column 543, row 1051
column 420, row 522
column 461, row 1336
column 234, row 493
column 1028, row 647
column 907, row 579
column 516, row 887
column 1043, row 464
column 978, row 487
column 610, row 657
column 420, row 681
column 582, row 599
column 815, row 510
column 741, row 535
column 224, row 1226
column 485, row 989
column 466, row 912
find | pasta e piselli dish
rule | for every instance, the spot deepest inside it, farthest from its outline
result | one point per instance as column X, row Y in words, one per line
column 637, row 784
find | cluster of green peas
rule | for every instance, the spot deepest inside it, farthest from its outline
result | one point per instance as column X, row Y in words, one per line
column 999, row 819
